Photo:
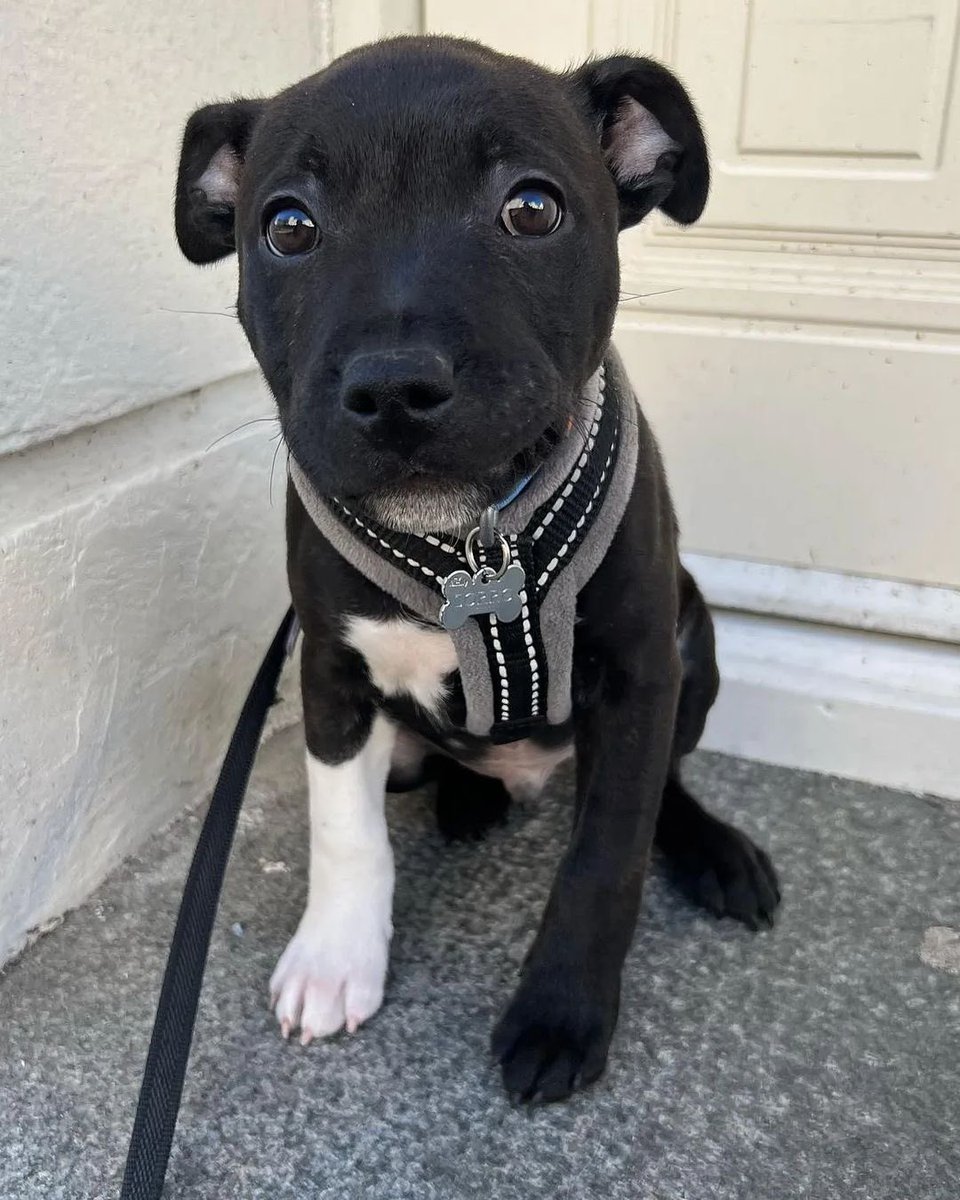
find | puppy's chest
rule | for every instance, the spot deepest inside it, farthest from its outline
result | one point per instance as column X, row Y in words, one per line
column 408, row 661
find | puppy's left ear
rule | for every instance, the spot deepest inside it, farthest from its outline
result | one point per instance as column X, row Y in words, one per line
column 650, row 136
column 214, row 146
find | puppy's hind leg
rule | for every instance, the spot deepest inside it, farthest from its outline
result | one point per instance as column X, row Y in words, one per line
column 468, row 805
column 715, row 864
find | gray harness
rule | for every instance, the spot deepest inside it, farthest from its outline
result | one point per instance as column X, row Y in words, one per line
column 515, row 673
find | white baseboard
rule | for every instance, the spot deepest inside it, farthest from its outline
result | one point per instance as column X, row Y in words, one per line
column 856, row 703
column 897, row 606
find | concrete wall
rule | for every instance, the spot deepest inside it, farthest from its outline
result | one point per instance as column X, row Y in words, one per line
column 140, row 556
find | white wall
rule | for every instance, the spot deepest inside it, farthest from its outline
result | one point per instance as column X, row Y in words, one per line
column 140, row 564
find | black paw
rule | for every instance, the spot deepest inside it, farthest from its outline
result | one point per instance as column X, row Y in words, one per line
column 551, row 1043
column 468, row 805
column 729, row 876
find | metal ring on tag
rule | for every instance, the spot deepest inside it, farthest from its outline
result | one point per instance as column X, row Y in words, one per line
column 471, row 557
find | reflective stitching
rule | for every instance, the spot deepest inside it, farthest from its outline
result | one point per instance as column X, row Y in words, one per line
column 501, row 668
column 386, row 545
column 554, row 562
column 532, row 654
column 581, row 461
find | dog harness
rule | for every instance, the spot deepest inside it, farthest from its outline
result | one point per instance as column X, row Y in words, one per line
column 509, row 609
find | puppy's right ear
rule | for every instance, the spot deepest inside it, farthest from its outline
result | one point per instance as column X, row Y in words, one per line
column 211, row 159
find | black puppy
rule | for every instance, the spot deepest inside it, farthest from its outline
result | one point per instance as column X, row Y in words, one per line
column 427, row 242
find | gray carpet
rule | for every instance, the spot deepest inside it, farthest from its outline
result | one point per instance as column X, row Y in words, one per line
column 821, row 1061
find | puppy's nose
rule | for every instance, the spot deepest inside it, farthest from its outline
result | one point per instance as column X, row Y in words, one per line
column 409, row 382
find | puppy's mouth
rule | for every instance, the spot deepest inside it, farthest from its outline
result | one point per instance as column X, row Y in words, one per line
column 427, row 504
column 423, row 502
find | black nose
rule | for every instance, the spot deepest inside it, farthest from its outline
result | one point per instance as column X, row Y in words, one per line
column 389, row 383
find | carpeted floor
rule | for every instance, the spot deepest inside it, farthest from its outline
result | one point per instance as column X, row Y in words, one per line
column 821, row 1060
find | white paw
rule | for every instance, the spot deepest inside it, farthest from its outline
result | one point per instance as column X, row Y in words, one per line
column 330, row 976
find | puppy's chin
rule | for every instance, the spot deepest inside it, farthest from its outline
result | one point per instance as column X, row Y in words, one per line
column 427, row 505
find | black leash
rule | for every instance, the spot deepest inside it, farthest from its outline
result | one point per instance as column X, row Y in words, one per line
column 163, row 1074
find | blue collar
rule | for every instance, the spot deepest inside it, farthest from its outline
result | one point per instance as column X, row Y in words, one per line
column 500, row 505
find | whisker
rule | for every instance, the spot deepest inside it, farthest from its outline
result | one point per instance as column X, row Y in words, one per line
column 273, row 464
column 626, row 297
column 202, row 312
column 583, row 420
column 245, row 425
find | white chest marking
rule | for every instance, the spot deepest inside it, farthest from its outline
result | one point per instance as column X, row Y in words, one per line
column 404, row 657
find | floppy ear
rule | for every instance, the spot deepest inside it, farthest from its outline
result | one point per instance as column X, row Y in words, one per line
column 214, row 145
column 650, row 136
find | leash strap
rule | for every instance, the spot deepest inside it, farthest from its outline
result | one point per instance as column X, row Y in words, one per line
column 162, row 1085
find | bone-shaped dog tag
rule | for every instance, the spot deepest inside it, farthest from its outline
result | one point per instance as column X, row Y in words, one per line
column 466, row 595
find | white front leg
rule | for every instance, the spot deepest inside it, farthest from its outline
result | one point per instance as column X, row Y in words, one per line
column 332, row 972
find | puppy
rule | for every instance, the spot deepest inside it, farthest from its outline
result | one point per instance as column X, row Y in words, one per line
column 481, row 546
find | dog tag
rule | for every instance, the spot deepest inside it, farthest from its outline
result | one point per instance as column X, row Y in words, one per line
column 485, row 591
column 481, row 589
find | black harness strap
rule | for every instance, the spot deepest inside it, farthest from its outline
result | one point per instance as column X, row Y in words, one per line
column 516, row 656
column 163, row 1074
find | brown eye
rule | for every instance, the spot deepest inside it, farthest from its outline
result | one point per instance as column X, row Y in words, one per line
column 531, row 212
column 291, row 231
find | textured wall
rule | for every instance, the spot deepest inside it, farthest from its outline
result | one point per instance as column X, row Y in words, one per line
column 133, row 616
column 91, row 283
column 140, row 563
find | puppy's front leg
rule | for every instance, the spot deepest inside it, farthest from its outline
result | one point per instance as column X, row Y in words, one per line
column 554, row 1035
column 332, row 972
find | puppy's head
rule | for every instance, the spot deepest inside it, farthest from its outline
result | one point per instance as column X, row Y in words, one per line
column 426, row 233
